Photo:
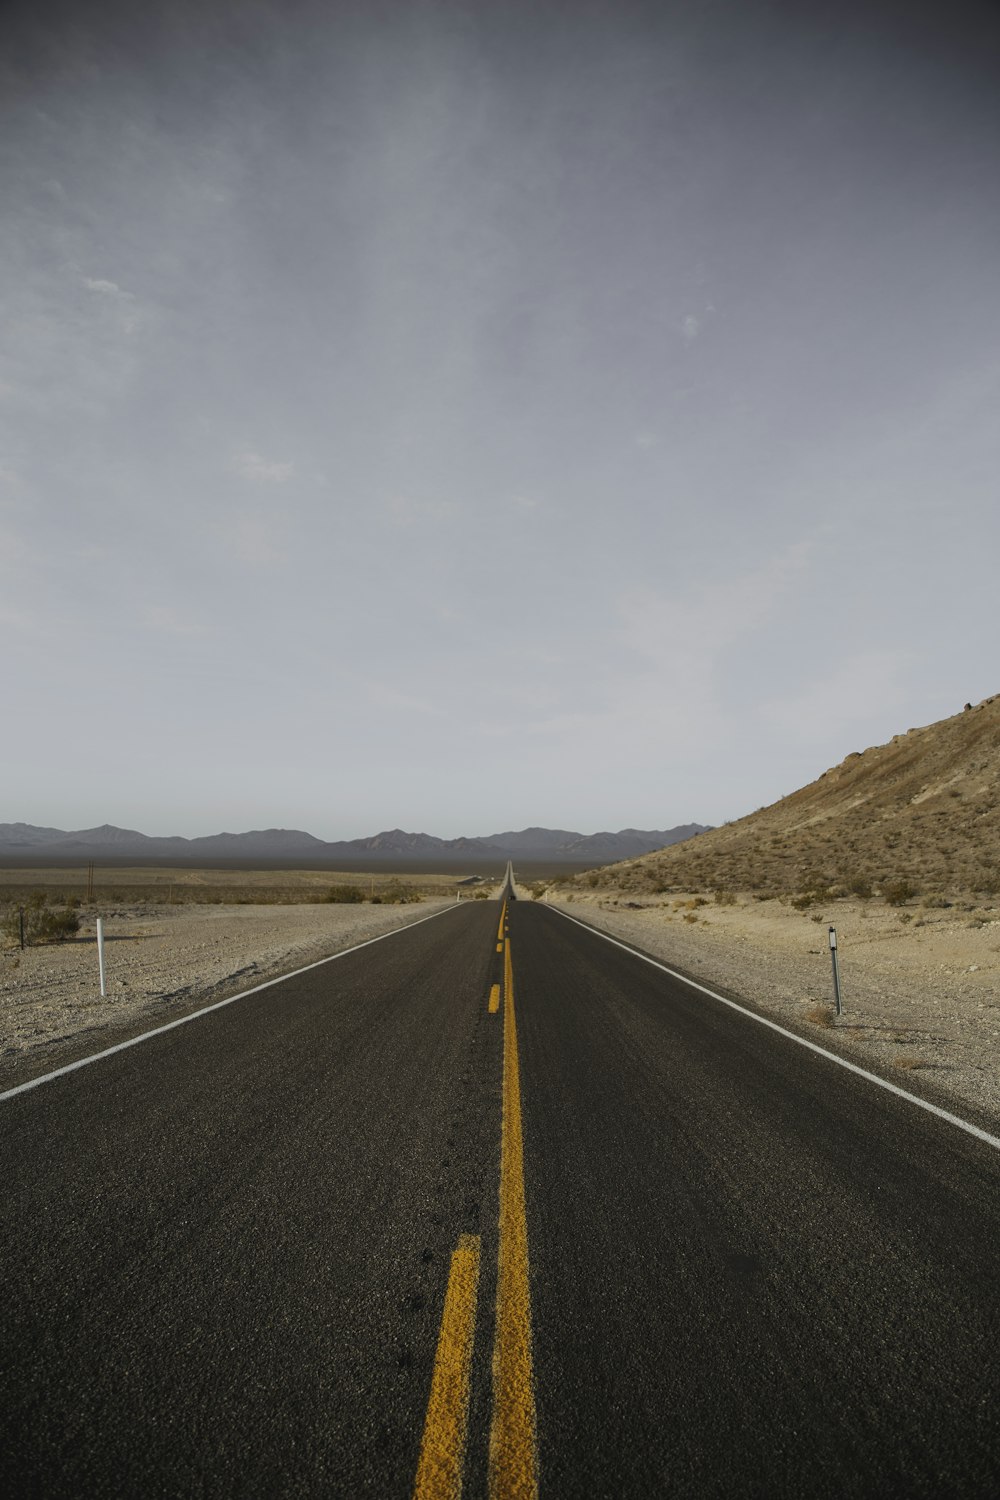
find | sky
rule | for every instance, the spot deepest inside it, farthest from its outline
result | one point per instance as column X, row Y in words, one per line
column 461, row 416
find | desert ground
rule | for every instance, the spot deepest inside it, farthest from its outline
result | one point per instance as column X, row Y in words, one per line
column 920, row 985
column 171, row 954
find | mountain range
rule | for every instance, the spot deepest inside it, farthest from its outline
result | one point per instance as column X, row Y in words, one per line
column 271, row 845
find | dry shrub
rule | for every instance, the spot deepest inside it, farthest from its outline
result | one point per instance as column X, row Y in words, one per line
column 344, row 895
column 820, row 1015
column 42, row 924
column 895, row 892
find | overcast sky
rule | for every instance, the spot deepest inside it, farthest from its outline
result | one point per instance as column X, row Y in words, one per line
column 464, row 415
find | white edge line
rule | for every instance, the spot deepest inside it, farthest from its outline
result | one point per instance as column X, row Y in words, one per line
column 943, row 1114
column 133, row 1041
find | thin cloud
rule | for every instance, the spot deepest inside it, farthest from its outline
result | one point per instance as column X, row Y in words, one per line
column 261, row 470
column 104, row 288
column 119, row 303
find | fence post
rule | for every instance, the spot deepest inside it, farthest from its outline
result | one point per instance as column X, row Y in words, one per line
column 836, row 971
column 100, row 952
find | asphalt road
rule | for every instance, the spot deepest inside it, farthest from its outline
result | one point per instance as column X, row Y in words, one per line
column 330, row 1241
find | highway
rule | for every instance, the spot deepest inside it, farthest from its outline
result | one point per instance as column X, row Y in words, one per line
column 492, row 1207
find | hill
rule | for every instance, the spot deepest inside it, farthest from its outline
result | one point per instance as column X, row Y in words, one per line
column 919, row 814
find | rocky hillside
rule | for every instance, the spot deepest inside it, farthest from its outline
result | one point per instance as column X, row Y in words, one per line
column 918, row 816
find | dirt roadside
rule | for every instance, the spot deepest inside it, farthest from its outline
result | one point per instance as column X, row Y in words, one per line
column 921, row 988
column 160, row 962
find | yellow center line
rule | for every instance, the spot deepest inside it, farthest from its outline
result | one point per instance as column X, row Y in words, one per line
column 513, row 1466
column 494, row 999
column 442, row 1452
column 503, row 918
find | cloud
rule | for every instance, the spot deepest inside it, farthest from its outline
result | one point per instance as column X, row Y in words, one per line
column 694, row 324
column 122, row 305
column 107, row 289
column 262, row 470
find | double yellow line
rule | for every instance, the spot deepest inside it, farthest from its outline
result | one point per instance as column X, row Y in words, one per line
column 513, row 1467
column 513, row 1460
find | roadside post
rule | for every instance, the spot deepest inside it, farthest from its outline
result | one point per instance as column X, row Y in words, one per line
column 20, row 925
column 836, row 971
column 100, row 953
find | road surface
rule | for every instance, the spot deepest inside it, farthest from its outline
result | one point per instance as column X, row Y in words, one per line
column 492, row 1203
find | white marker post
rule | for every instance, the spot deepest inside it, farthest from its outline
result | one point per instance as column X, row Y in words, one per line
column 836, row 971
column 100, row 952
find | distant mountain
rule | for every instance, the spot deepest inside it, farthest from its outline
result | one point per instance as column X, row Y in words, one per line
column 412, row 845
column 269, row 842
column 598, row 848
column 86, row 842
column 26, row 836
column 535, row 840
column 561, row 844
column 557, row 845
